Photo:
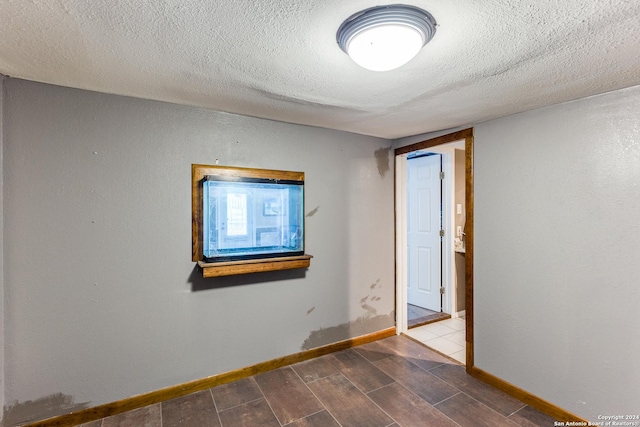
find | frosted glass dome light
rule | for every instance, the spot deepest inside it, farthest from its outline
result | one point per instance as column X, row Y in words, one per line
column 386, row 37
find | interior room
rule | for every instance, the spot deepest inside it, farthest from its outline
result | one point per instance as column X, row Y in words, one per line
column 105, row 107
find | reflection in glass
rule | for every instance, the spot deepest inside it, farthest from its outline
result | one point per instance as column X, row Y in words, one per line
column 246, row 218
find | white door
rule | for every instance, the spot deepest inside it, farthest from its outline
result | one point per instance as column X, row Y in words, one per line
column 423, row 231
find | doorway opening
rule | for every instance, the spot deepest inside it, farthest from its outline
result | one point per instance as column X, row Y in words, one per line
column 434, row 237
column 426, row 269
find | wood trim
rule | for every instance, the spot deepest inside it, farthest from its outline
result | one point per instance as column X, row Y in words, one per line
column 526, row 397
column 444, row 139
column 196, row 212
column 254, row 266
column 204, row 170
column 469, row 252
column 252, row 261
column 135, row 402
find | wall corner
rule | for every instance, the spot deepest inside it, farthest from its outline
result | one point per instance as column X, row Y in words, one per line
column 2, row 302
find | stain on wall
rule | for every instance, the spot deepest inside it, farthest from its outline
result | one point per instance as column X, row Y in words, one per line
column 382, row 159
column 353, row 243
column 370, row 309
column 361, row 326
column 311, row 309
column 45, row 407
column 369, row 322
column 313, row 212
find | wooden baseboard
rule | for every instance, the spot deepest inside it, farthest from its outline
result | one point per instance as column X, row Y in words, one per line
column 534, row 401
column 139, row 401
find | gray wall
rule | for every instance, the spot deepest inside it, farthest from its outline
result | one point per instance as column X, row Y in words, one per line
column 2, row 380
column 557, row 251
column 102, row 299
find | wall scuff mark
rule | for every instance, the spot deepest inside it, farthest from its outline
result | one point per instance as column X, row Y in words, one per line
column 39, row 409
column 313, row 212
column 382, row 159
column 311, row 309
column 361, row 326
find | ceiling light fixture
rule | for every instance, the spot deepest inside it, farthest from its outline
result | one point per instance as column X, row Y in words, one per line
column 383, row 38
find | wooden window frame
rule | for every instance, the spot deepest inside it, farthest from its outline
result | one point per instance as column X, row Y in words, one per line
column 198, row 173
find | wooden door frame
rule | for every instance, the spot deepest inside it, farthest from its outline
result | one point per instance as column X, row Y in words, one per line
column 467, row 136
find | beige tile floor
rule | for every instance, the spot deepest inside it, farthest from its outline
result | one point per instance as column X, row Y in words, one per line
column 445, row 336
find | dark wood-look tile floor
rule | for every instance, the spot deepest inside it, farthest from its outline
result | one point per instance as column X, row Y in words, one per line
column 418, row 316
column 395, row 382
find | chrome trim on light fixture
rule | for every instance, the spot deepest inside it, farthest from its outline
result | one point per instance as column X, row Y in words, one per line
column 418, row 19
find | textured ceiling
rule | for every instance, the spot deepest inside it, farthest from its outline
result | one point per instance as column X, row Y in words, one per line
column 279, row 60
